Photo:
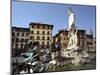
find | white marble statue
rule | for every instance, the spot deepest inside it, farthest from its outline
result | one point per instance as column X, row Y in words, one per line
column 71, row 19
column 72, row 30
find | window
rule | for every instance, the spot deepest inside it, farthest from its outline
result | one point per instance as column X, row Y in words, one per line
column 27, row 34
column 32, row 26
column 43, row 38
column 30, row 37
column 38, row 38
column 68, row 54
column 16, row 45
column 48, row 33
column 43, row 32
column 43, row 27
column 48, row 38
column 17, row 39
column 38, row 27
column 48, row 27
column 17, row 30
column 22, row 45
column 38, row 32
column 22, row 40
column 32, row 32
column 26, row 40
column 22, row 34
column 17, row 34
column 13, row 34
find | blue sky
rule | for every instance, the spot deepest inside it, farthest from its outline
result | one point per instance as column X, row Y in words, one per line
column 50, row 13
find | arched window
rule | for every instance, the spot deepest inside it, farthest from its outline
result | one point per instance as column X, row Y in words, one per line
column 43, row 32
column 32, row 26
column 26, row 40
column 43, row 27
column 38, row 32
column 16, row 45
column 48, row 33
column 17, row 34
column 32, row 32
column 38, row 26
column 30, row 37
column 17, row 39
column 48, row 27
column 27, row 34
column 22, row 40
column 38, row 37
column 22, row 34
column 22, row 45
column 43, row 38
column 48, row 38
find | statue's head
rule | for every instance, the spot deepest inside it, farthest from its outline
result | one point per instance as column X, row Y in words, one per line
column 69, row 10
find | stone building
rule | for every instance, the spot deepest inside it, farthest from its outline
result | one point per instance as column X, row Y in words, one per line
column 85, row 42
column 82, row 43
column 94, row 43
column 63, row 35
column 19, row 38
column 91, row 46
column 89, row 41
column 36, row 32
column 41, row 33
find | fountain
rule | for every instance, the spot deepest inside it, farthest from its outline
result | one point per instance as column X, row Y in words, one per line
column 73, row 51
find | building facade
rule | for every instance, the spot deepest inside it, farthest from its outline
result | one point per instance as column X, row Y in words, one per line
column 89, row 41
column 36, row 32
column 19, row 39
column 84, row 40
column 86, row 52
column 62, row 35
column 41, row 33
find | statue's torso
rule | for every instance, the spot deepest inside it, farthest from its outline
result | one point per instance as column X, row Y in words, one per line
column 71, row 20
